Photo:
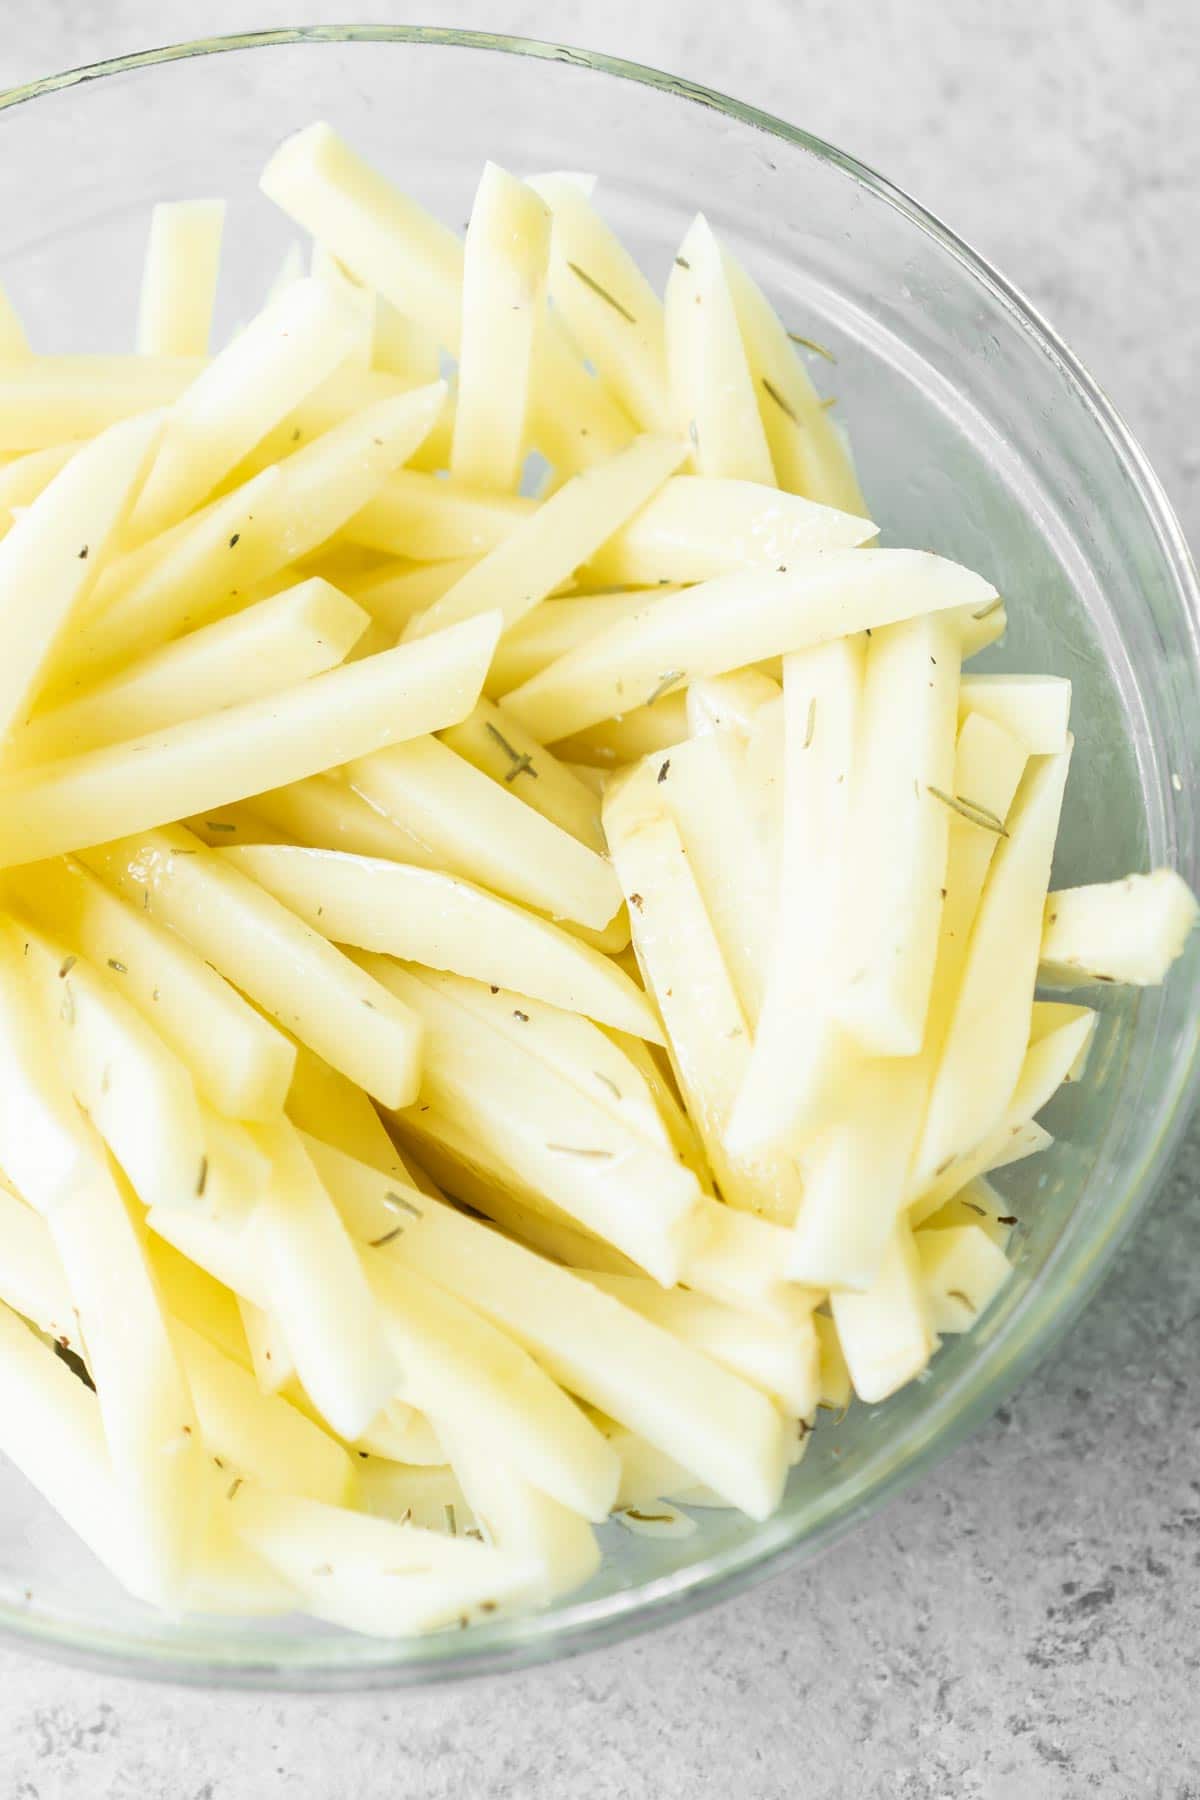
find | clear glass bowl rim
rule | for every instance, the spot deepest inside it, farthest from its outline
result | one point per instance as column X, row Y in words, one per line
column 1066, row 1283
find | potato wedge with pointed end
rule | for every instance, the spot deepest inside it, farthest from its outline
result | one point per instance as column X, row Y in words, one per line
column 549, row 630
column 394, row 595
column 418, row 515
column 697, row 527
column 505, row 264
column 423, row 916
column 963, row 1269
column 179, row 278
column 1034, row 709
column 549, row 545
column 712, row 391
column 557, row 1543
column 1130, row 930
column 227, row 755
column 886, row 1334
column 502, row 748
column 733, row 621
column 55, row 550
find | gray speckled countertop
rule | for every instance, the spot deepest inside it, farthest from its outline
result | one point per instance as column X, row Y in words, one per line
column 1025, row 1625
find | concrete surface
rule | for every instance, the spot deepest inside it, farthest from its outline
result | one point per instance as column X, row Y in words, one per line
column 1026, row 1625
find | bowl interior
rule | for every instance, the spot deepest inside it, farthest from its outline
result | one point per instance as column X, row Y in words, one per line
column 974, row 436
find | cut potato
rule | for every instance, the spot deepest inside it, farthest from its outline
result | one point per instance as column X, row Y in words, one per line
column 963, row 1269
column 978, row 1203
column 46, row 400
column 1131, row 930
column 420, row 915
column 300, row 632
column 26, row 476
column 886, row 1334
column 502, row 748
column 1034, row 709
column 555, row 1542
column 478, row 830
column 311, row 726
column 56, row 550
column 549, row 630
column 270, row 1359
column 325, row 813
column 505, row 264
column 711, row 387
column 548, row 546
column 420, row 516
column 697, row 527
column 736, row 620
column 631, row 736
column 729, row 702
column 275, row 959
column 179, row 278
column 394, row 596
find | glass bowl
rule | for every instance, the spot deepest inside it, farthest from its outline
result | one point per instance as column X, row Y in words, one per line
column 976, row 433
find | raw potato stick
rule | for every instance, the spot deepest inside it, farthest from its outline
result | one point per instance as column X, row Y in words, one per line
column 886, row 1334
column 1129, row 930
column 314, row 725
column 46, row 400
column 179, row 278
column 738, row 619
column 423, row 916
column 712, row 391
column 558, row 1545
column 1035, row 709
column 300, row 632
column 549, row 630
column 394, row 596
column 419, row 516
column 325, row 813
column 328, row 1105
column 502, row 748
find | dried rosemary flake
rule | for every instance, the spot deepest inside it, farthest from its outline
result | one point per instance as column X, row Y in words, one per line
column 233, row 1487
column 957, row 1294
column 387, row 1238
column 784, row 407
column 67, row 1009
column 609, row 1083
column 451, row 1518
column 202, row 1176
column 1008, row 1219
column 398, row 1203
column 971, row 811
column 810, row 723
column 666, row 682
column 219, row 825
column 522, row 763
column 65, row 967
column 987, row 611
column 233, row 540
column 120, row 967
column 580, row 1150
column 681, row 262
column 811, row 344
column 637, row 900
column 522, row 1016
column 975, row 1209
column 645, row 1518
column 663, row 771
column 591, row 282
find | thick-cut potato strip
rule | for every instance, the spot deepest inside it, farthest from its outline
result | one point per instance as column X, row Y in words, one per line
column 328, row 1105
column 610, row 309
column 241, row 1064
column 573, row 419
column 729, row 702
column 781, row 1360
column 459, row 1367
column 1034, row 709
column 324, row 266
column 46, row 400
column 742, row 1261
column 179, row 278
column 334, row 401
column 808, row 451
column 326, row 814
column 697, row 527
column 55, row 549
column 300, row 632
column 627, row 739
column 552, row 542
column 415, row 1494
column 31, row 1276
column 191, row 1295
column 502, row 748
column 315, row 1286
column 719, row 1427
column 266, row 370
column 505, row 261
column 231, row 1255
column 271, row 955
column 707, row 1029
column 988, row 1029
column 978, row 1203
column 589, row 1153
column 735, row 620
column 897, row 834
column 424, row 916
column 646, row 1470
column 712, row 389
column 271, row 1360
column 174, row 1151
column 1129, row 930
column 962, row 1269
column 370, row 1575
column 27, row 475
column 420, row 516
column 556, row 1543
column 401, row 346
column 313, row 725
column 549, row 630
column 477, row 829
column 886, row 1334
column 394, row 597
column 837, row 1390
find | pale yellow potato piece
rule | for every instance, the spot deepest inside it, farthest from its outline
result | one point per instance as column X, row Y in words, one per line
column 424, row 916
column 350, row 389
column 311, row 726
column 315, row 1287
column 55, row 550
column 978, row 1203
column 401, row 346
column 886, row 1333
column 233, row 824
column 610, row 309
column 988, row 1030
column 418, row 515
column 193, row 1296
column 984, row 626
column 553, row 541
column 271, row 955
column 962, row 1269
column 414, row 1494
column 549, row 630
column 477, row 829
column 179, row 278
column 271, row 1360
column 505, row 263
column 573, row 419
column 45, row 400
column 28, row 474
column 328, row 1105
column 630, row 737
column 1130, row 930
column 325, row 813
column 730, row 702
column 371, row 1575
column 897, row 835
column 300, row 632
column 241, row 1065
column 210, row 564
column 1034, row 709
column 833, row 1374
column 711, row 387
column 393, row 597
column 735, row 620
column 324, row 266
column 502, row 748
column 266, row 370
column 558, row 1544
column 707, row 1029
column 742, row 1261
column 697, row 527
column 808, row 452
column 646, row 1471
column 31, row 1275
